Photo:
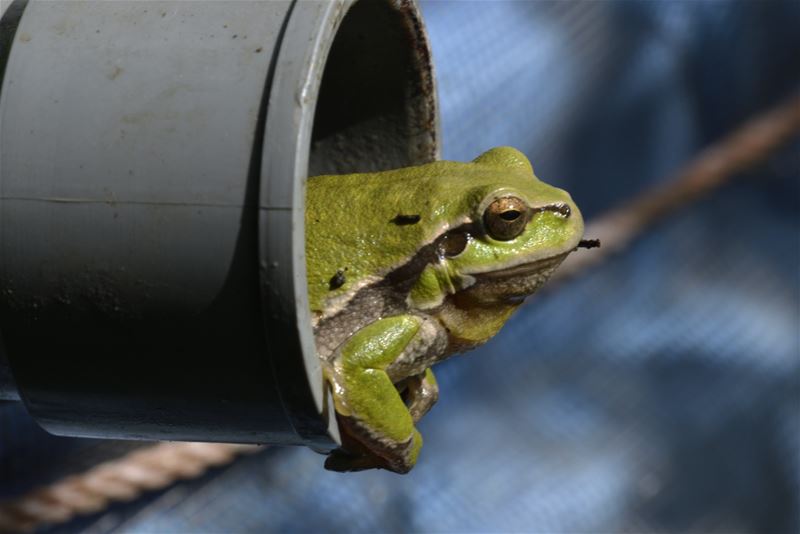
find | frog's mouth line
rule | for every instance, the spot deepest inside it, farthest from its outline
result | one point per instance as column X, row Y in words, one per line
column 512, row 284
column 515, row 283
column 524, row 268
column 538, row 265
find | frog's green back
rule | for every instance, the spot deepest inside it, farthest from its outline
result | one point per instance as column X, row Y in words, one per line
column 352, row 225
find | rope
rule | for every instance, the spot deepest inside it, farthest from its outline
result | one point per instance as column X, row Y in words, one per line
column 161, row 465
column 711, row 168
column 124, row 479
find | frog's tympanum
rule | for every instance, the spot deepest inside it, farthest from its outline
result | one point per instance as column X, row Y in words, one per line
column 409, row 266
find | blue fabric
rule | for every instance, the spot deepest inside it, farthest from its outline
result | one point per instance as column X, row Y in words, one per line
column 661, row 391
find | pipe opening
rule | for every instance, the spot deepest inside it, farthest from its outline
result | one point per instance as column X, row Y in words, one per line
column 376, row 106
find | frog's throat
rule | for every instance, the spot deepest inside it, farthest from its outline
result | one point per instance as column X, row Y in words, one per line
column 512, row 283
column 515, row 283
column 523, row 269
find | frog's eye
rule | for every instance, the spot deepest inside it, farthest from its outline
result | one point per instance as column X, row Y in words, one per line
column 453, row 244
column 505, row 218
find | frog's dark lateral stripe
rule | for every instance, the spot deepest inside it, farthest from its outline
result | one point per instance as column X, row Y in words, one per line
column 410, row 271
column 399, row 280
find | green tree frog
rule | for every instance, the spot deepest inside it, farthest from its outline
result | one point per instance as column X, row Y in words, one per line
column 407, row 267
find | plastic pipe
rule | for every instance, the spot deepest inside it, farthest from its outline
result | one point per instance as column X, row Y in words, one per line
column 153, row 158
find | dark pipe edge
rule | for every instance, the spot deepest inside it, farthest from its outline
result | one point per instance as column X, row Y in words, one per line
column 8, row 29
column 8, row 387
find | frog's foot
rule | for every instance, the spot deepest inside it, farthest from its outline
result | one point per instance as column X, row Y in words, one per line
column 358, row 452
column 368, row 447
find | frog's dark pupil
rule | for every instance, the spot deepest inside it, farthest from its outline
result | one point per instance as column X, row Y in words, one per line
column 510, row 215
column 505, row 218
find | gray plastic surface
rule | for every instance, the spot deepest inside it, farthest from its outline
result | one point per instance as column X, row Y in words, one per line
column 127, row 204
column 126, row 144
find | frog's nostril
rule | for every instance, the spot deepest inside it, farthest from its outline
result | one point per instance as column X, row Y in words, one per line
column 560, row 209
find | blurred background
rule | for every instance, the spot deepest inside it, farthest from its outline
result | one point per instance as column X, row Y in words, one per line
column 657, row 392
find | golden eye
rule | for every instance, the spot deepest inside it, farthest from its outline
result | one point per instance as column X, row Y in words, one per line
column 505, row 218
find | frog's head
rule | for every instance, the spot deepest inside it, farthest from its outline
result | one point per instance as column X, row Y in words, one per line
column 515, row 232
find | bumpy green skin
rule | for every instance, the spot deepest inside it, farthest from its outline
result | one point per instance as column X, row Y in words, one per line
column 349, row 218
column 366, row 226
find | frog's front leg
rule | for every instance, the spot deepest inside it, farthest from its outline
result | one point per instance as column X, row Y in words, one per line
column 371, row 411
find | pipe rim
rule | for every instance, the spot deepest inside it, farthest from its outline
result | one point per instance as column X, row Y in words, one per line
column 293, row 100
